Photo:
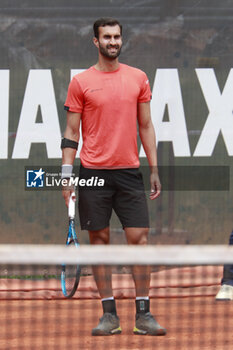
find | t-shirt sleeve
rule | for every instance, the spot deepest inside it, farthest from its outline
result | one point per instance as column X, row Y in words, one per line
column 74, row 100
column 145, row 91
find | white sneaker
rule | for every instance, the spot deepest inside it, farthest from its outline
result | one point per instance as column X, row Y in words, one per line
column 225, row 293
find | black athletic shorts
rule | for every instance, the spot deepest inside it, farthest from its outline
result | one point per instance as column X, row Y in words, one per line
column 123, row 192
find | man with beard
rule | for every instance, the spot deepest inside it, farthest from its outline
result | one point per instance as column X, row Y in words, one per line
column 111, row 99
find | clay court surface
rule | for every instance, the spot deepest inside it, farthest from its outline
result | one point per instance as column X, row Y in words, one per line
column 62, row 324
column 35, row 315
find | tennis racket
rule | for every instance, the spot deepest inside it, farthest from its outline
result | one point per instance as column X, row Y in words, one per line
column 70, row 274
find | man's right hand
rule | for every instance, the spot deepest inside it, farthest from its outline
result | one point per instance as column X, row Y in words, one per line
column 66, row 193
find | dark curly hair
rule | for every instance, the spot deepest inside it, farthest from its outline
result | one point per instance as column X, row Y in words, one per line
column 102, row 22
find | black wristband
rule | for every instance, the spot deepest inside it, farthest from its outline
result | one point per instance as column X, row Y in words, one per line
column 67, row 143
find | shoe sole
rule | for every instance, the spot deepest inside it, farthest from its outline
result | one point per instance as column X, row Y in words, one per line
column 100, row 332
column 160, row 331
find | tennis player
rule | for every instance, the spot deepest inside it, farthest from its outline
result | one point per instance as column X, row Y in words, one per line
column 112, row 99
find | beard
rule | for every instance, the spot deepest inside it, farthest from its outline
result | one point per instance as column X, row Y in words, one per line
column 107, row 53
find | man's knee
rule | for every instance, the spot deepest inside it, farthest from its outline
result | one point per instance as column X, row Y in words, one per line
column 137, row 235
column 100, row 236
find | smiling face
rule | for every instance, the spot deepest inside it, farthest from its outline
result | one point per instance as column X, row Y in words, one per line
column 109, row 42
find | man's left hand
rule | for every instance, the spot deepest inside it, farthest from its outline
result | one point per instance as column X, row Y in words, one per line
column 155, row 186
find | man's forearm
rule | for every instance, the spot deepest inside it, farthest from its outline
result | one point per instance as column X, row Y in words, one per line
column 147, row 136
column 71, row 133
column 68, row 155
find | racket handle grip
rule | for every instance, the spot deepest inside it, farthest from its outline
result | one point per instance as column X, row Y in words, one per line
column 71, row 208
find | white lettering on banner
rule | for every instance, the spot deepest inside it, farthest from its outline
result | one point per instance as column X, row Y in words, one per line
column 220, row 118
column 167, row 92
column 39, row 92
column 73, row 72
column 4, row 115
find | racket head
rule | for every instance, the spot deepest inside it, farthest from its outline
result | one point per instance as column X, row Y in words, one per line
column 70, row 274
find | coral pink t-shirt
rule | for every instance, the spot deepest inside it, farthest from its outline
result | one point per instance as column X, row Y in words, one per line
column 108, row 104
